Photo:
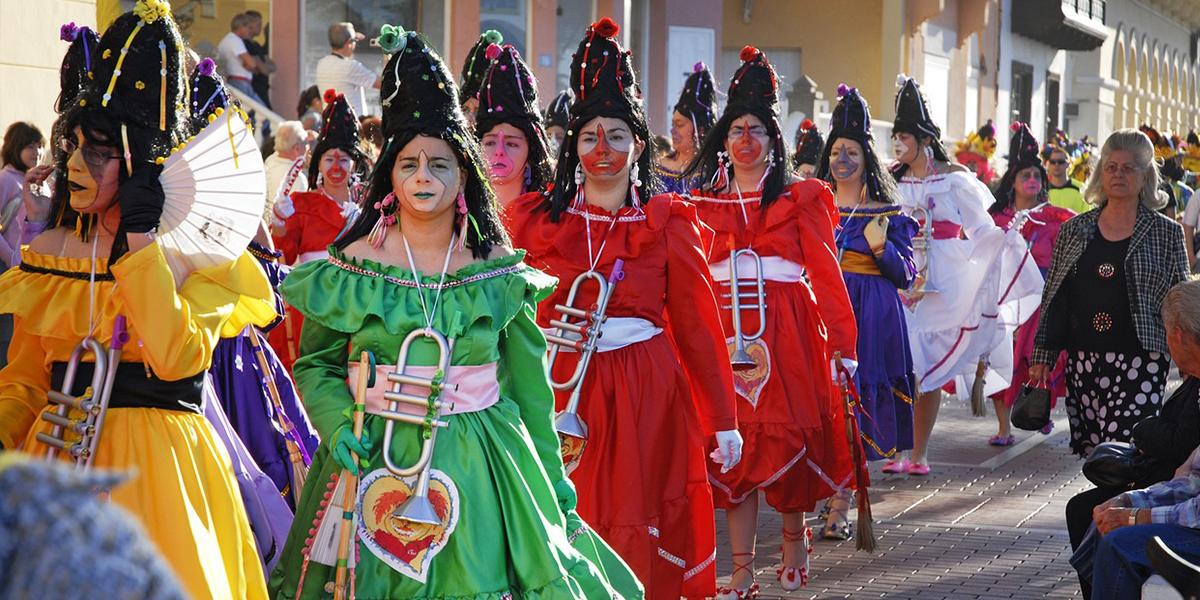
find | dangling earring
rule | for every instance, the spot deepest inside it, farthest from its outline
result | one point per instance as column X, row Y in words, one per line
column 388, row 207
column 770, row 165
column 463, row 218
column 862, row 193
column 720, row 178
column 635, row 181
column 528, row 177
column 578, row 202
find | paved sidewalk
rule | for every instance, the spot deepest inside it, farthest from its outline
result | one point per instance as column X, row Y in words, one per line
column 986, row 524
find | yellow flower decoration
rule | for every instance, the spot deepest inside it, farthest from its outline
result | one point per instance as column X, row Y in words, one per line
column 150, row 11
column 139, row 85
column 107, row 53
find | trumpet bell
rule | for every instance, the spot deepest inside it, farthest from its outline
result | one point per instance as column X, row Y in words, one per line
column 570, row 425
column 418, row 509
column 741, row 360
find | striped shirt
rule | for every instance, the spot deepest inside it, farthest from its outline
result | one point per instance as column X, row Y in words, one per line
column 1174, row 502
column 348, row 77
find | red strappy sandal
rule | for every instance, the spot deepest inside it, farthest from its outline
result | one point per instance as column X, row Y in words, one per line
column 795, row 578
column 731, row 593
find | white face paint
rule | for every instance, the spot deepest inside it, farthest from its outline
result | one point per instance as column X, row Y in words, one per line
column 904, row 147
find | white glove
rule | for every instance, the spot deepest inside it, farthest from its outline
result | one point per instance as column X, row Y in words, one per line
column 284, row 207
column 850, row 364
column 729, row 449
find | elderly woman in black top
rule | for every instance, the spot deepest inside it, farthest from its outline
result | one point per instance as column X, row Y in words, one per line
column 1109, row 274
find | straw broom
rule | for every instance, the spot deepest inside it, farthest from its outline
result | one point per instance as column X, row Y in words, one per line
column 865, row 539
column 295, row 453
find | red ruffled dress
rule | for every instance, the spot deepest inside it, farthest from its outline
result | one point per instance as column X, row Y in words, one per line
column 1040, row 232
column 317, row 222
column 649, row 406
column 789, row 412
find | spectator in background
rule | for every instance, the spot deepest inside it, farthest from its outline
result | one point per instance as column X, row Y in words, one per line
column 22, row 150
column 261, row 81
column 235, row 59
column 310, row 108
column 1191, row 222
column 1064, row 191
column 339, row 71
column 371, row 130
column 291, row 143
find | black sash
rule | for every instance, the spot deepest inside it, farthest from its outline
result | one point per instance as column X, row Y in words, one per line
column 133, row 389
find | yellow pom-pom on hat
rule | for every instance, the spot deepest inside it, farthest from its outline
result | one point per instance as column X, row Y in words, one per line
column 150, row 11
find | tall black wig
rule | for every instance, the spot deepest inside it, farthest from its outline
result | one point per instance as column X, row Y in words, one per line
column 912, row 116
column 604, row 85
column 339, row 129
column 508, row 94
column 420, row 98
column 851, row 120
column 1023, row 152
column 134, row 103
column 753, row 91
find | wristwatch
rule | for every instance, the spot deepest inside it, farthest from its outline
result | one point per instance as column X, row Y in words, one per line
column 1133, row 514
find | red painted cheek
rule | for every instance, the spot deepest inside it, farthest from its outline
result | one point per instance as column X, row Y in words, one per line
column 747, row 149
column 336, row 175
column 603, row 160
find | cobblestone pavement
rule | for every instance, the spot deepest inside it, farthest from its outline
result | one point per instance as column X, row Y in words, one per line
column 987, row 523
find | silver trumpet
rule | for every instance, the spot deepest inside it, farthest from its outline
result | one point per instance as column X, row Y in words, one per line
column 417, row 508
column 93, row 404
column 741, row 359
column 923, row 243
column 588, row 327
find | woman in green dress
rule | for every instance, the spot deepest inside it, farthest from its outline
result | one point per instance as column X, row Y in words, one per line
column 429, row 252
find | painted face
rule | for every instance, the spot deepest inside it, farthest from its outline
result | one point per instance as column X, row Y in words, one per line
column 92, row 174
column 1030, row 181
column 747, row 141
column 426, row 178
column 683, row 133
column 904, row 147
column 507, row 152
column 469, row 108
column 31, row 155
column 336, row 166
column 608, row 148
column 555, row 136
column 846, row 160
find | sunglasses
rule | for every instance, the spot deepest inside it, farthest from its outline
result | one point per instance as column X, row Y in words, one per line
column 1057, row 162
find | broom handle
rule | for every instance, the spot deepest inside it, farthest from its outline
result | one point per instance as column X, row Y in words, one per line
column 285, row 423
column 364, row 375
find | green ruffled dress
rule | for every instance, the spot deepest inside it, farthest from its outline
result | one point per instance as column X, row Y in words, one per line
column 516, row 534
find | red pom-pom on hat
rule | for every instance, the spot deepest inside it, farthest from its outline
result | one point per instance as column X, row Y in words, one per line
column 1015, row 126
column 330, row 95
column 493, row 52
column 748, row 53
column 606, row 27
column 807, row 124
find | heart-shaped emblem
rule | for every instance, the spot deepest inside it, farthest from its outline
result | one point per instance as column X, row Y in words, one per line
column 572, row 451
column 406, row 547
column 750, row 382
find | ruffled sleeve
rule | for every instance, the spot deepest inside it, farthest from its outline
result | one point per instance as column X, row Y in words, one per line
column 180, row 329
column 524, row 373
column 692, row 302
column 971, row 199
column 23, row 385
column 816, row 214
column 320, row 375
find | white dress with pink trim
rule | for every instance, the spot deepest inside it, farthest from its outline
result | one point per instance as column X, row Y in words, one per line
column 985, row 285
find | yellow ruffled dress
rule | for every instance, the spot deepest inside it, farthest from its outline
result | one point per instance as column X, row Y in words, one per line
column 183, row 490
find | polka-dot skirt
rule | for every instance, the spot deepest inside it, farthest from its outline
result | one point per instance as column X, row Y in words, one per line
column 1108, row 392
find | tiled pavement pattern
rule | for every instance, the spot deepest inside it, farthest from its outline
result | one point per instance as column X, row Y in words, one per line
column 986, row 524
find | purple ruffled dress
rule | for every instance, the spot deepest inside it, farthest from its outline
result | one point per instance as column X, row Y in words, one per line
column 885, row 378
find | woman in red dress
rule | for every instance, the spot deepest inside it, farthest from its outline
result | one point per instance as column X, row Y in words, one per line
column 308, row 222
column 790, row 413
column 652, row 393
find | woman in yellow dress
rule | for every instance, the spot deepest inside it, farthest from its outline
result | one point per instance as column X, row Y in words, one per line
column 183, row 488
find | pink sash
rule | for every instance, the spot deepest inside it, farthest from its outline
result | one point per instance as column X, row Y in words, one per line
column 478, row 388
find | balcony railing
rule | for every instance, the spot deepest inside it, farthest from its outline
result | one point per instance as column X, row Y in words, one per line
column 1087, row 8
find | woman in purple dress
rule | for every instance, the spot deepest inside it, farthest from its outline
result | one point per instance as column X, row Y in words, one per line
column 874, row 242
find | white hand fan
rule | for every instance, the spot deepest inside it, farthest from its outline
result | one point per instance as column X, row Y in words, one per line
column 215, row 189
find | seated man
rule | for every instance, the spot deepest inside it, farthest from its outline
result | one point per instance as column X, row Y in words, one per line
column 1169, row 510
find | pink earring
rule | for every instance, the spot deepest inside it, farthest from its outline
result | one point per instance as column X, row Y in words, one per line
column 388, row 207
column 463, row 219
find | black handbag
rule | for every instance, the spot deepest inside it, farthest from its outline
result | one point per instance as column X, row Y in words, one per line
column 1120, row 465
column 1031, row 411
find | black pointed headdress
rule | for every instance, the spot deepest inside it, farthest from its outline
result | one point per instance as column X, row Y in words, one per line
column 508, row 93
column 76, row 69
column 558, row 112
column 809, row 144
column 696, row 99
column 912, row 110
column 851, row 117
column 851, row 120
column 1023, row 148
column 475, row 65
column 754, row 85
column 206, row 94
column 418, row 91
column 339, row 129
